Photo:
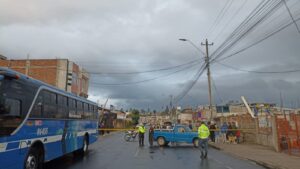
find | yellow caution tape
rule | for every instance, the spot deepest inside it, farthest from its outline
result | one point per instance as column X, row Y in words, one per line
column 124, row 129
column 114, row 129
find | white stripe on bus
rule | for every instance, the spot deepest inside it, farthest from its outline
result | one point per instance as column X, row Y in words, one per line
column 45, row 140
column 3, row 147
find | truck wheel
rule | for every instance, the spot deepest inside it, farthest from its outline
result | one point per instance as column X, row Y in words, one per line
column 196, row 142
column 161, row 141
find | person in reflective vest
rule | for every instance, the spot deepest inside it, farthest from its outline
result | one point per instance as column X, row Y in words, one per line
column 142, row 131
column 203, row 134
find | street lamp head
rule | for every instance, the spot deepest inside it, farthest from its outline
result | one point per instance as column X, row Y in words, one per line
column 183, row 39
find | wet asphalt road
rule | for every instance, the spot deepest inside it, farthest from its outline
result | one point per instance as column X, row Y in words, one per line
column 112, row 152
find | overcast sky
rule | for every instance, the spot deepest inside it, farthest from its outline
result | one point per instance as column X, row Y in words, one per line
column 119, row 36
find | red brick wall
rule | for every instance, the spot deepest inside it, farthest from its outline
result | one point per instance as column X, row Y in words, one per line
column 46, row 70
column 75, row 85
column 41, row 69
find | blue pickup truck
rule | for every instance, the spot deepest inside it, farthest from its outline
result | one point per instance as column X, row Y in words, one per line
column 179, row 133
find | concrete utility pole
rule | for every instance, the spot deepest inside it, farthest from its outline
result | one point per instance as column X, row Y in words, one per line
column 206, row 44
column 171, row 109
column 27, row 65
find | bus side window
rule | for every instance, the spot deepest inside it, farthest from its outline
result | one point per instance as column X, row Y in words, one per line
column 79, row 109
column 92, row 111
column 86, row 110
column 72, row 108
column 50, row 105
column 12, row 107
column 62, row 106
column 95, row 112
column 38, row 107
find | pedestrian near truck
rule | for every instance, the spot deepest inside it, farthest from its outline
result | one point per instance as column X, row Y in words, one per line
column 212, row 129
column 151, row 135
column 203, row 134
column 238, row 136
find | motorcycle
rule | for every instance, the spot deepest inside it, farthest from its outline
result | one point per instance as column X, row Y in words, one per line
column 130, row 135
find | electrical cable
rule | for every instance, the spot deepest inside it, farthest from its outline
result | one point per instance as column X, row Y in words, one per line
column 255, row 43
column 252, row 20
column 259, row 72
column 217, row 18
column 231, row 44
column 146, row 80
column 246, row 20
column 185, row 91
column 147, row 71
column 231, row 19
column 217, row 91
column 291, row 15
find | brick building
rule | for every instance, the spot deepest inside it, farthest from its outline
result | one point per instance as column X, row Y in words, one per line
column 61, row 73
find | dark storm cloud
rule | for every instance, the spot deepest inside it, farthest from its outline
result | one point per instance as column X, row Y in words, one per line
column 140, row 35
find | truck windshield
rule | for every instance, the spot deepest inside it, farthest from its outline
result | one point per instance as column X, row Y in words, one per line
column 187, row 129
column 14, row 104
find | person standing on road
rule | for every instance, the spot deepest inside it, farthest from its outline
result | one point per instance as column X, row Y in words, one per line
column 142, row 131
column 203, row 134
column 212, row 129
column 151, row 137
column 224, row 130
column 229, row 131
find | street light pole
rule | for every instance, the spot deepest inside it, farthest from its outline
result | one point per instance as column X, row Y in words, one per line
column 208, row 76
column 207, row 61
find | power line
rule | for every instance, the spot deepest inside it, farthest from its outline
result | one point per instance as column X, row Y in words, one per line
column 256, row 43
column 184, row 92
column 148, row 71
column 291, row 15
column 124, row 73
column 260, row 72
column 143, row 81
column 217, row 91
column 231, row 19
column 262, row 12
column 215, row 23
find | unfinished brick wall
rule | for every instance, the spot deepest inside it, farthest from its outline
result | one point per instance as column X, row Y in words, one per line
column 47, row 70
column 41, row 69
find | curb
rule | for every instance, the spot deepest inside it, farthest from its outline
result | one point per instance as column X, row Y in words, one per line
column 214, row 146
column 261, row 163
column 266, row 165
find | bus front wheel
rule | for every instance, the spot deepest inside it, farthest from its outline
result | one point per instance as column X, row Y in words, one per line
column 34, row 159
column 85, row 146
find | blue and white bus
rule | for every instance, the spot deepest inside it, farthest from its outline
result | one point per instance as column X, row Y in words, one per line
column 39, row 122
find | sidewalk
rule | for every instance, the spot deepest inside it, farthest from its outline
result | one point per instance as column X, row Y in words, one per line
column 261, row 155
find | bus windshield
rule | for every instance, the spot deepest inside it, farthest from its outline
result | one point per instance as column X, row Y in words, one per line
column 13, row 108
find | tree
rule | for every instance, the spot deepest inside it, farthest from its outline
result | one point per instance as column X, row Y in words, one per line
column 166, row 111
column 135, row 116
column 143, row 111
